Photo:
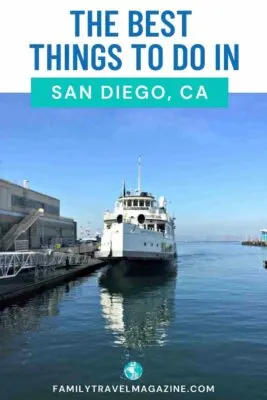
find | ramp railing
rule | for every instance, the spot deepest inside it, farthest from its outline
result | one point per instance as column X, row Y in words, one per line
column 12, row 263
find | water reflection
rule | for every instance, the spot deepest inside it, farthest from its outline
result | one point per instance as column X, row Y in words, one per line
column 27, row 315
column 138, row 307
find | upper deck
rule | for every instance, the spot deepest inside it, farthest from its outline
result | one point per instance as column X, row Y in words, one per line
column 132, row 204
column 140, row 208
column 138, row 201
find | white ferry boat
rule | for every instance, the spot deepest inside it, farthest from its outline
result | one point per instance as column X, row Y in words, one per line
column 139, row 228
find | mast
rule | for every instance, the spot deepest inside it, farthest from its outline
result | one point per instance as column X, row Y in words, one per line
column 139, row 175
column 124, row 188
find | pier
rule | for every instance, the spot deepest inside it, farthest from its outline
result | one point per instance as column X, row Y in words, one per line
column 23, row 274
column 258, row 243
column 39, row 246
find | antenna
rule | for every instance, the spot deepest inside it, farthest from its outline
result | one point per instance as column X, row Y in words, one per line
column 124, row 188
column 139, row 174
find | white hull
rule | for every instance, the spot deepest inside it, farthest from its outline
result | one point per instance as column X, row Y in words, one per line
column 128, row 241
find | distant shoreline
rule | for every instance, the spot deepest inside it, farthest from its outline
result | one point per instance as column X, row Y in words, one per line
column 207, row 241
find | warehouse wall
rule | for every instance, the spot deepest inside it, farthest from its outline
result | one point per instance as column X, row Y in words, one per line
column 50, row 233
column 18, row 199
column 16, row 202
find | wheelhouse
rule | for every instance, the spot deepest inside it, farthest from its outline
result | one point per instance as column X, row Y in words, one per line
column 137, row 201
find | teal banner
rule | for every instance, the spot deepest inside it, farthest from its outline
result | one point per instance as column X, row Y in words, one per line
column 129, row 92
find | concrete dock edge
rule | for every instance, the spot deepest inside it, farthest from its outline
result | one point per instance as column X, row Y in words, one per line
column 29, row 289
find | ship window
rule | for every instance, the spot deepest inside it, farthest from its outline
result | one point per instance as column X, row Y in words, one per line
column 129, row 203
column 125, row 202
column 150, row 227
column 161, row 227
column 135, row 203
column 151, row 244
column 147, row 203
column 141, row 203
column 145, row 244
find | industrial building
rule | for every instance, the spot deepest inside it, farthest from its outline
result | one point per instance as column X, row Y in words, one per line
column 31, row 220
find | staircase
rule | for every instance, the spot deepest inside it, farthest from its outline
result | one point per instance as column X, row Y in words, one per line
column 9, row 239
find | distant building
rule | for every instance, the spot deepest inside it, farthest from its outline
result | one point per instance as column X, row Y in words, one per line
column 32, row 217
column 263, row 235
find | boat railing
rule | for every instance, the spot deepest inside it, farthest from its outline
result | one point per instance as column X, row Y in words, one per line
column 135, row 208
column 108, row 216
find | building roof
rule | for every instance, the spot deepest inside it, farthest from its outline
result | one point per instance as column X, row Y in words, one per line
column 30, row 190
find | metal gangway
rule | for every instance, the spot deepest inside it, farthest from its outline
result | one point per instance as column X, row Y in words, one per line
column 13, row 263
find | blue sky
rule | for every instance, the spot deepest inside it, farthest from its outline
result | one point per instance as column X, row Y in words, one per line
column 209, row 163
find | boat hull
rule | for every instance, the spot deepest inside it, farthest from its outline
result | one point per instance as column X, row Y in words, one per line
column 130, row 242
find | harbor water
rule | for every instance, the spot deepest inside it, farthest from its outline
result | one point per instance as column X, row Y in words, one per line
column 202, row 325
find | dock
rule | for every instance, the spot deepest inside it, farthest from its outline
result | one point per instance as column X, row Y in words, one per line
column 35, row 279
column 257, row 243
